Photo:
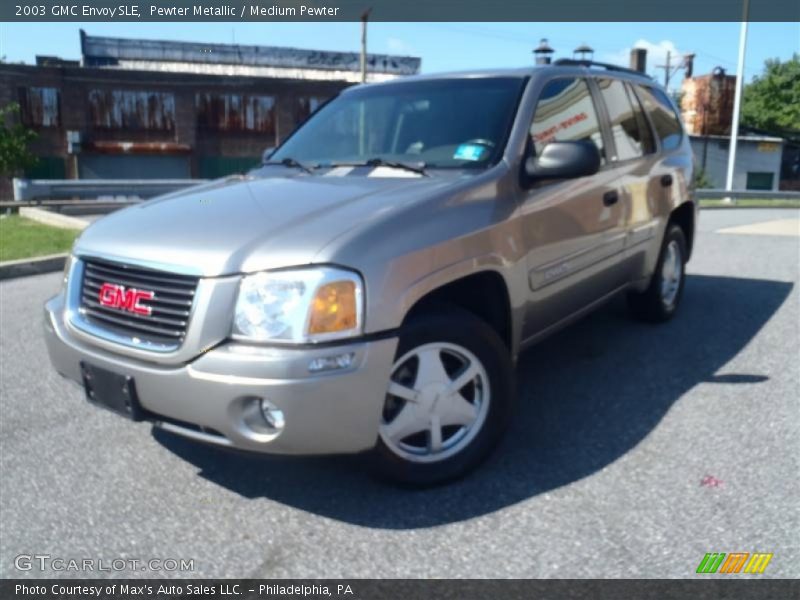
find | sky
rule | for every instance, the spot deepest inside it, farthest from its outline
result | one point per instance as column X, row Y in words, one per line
column 445, row 46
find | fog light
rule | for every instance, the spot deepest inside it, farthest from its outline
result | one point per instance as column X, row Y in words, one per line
column 331, row 363
column 272, row 415
column 261, row 420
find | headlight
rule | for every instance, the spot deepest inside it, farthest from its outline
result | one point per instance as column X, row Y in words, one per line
column 303, row 305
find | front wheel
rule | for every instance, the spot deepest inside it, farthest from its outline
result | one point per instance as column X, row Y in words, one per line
column 660, row 300
column 448, row 399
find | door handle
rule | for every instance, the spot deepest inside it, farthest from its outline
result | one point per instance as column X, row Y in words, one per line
column 666, row 180
column 610, row 197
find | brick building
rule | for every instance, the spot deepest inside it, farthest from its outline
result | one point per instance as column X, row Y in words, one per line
column 157, row 109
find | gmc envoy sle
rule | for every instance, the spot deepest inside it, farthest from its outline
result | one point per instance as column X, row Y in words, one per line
column 370, row 286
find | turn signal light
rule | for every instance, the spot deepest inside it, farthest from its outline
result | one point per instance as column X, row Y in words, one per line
column 334, row 308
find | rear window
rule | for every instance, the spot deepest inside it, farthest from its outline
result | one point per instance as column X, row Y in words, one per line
column 662, row 114
column 647, row 140
column 632, row 137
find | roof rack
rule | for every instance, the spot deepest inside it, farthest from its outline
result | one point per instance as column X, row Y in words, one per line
column 574, row 62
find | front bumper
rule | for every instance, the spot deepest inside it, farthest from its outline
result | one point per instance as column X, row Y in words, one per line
column 209, row 397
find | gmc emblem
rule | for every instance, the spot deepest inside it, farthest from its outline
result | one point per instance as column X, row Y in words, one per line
column 116, row 296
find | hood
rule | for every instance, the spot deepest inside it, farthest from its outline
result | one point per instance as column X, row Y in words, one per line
column 245, row 224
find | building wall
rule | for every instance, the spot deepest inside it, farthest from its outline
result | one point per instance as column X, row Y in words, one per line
column 213, row 123
column 754, row 160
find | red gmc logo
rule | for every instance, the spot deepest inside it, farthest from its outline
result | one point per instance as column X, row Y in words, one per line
column 116, row 296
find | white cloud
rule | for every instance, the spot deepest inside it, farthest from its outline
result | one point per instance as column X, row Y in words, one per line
column 398, row 46
column 656, row 55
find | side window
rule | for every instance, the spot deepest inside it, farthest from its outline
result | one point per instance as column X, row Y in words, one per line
column 645, row 133
column 565, row 113
column 662, row 114
column 629, row 138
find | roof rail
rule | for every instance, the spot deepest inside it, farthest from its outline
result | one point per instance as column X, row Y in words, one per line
column 573, row 62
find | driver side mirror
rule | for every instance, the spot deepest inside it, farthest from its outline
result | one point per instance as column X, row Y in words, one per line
column 267, row 154
column 564, row 160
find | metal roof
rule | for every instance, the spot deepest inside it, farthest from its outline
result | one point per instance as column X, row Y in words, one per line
column 109, row 51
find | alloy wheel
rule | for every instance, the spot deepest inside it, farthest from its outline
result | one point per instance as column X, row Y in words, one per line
column 671, row 273
column 436, row 403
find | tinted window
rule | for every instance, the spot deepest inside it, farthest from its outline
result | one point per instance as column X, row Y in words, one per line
column 446, row 123
column 645, row 133
column 629, row 139
column 665, row 121
column 565, row 113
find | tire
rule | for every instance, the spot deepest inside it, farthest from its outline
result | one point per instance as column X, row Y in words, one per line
column 470, row 422
column 660, row 301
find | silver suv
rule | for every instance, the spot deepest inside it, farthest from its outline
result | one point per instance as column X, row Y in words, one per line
column 370, row 286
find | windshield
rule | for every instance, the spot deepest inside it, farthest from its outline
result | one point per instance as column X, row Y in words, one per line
column 444, row 123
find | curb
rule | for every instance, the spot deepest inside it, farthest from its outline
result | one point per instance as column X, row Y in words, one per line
column 53, row 219
column 23, row 267
column 779, row 206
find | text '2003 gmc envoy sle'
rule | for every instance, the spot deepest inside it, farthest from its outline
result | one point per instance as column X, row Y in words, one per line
column 369, row 287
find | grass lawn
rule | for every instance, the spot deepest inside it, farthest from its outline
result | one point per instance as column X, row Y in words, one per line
column 23, row 238
column 751, row 203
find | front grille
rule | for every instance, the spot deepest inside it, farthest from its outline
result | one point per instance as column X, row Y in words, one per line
column 171, row 303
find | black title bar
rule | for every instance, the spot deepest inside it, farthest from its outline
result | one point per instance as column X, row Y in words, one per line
column 701, row 588
column 401, row 10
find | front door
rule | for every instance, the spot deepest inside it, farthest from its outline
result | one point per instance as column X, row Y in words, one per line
column 574, row 229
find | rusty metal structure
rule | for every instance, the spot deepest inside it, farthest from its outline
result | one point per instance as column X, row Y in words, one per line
column 39, row 106
column 236, row 112
column 707, row 103
column 131, row 110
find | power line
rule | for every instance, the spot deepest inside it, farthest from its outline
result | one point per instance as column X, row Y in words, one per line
column 522, row 39
column 716, row 58
column 684, row 63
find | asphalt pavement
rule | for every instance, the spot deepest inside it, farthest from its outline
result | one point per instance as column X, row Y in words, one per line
column 635, row 450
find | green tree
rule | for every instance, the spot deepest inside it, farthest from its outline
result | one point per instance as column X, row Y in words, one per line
column 14, row 139
column 772, row 100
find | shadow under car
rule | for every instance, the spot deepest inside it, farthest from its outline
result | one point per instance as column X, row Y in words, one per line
column 586, row 396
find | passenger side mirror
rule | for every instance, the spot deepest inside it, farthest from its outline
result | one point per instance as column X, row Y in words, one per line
column 267, row 154
column 564, row 160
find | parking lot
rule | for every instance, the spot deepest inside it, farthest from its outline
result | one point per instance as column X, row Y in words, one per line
column 635, row 450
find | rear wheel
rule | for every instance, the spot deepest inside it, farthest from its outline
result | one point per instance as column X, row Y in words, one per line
column 660, row 300
column 447, row 401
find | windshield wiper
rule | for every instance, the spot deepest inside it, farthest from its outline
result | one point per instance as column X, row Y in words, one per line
column 289, row 162
column 381, row 162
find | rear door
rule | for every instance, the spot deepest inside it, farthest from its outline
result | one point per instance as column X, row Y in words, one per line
column 666, row 166
column 632, row 161
column 574, row 229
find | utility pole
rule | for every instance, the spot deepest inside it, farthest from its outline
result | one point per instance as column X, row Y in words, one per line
column 364, row 18
column 706, row 108
column 686, row 62
column 737, row 103
column 362, row 115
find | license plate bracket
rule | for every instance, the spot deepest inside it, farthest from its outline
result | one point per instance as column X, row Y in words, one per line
column 111, row 391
